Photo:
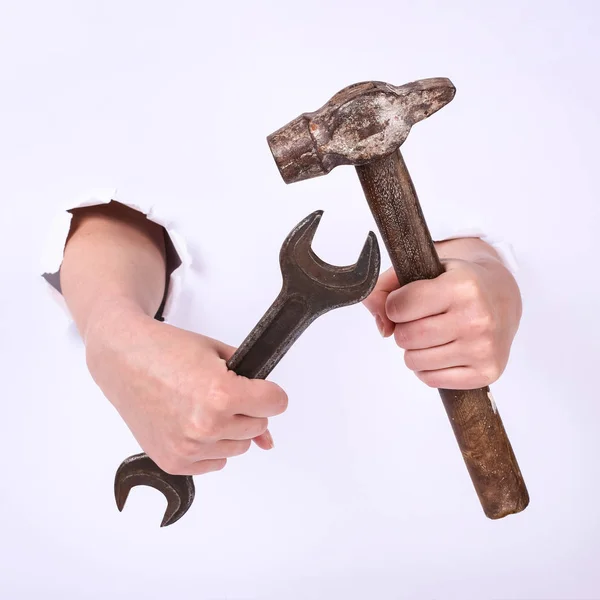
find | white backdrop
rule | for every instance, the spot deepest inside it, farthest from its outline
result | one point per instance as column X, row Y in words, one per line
column 365, row 494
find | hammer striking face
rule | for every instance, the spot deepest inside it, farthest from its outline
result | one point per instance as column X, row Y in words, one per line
column 363, row 122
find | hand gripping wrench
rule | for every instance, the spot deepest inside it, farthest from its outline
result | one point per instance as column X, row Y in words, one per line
column 311, row 287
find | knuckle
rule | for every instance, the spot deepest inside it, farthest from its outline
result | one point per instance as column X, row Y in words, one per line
column 480, row 351
column 486, row 322
column 402, row 335
column 208, row 429
column 262, row 425
column 220, row 464
column 409, row 360
column 430, row 378
column 482, row 323
column 494, row 371
column 241, row 447
column 219, row 396
column 481, row 381
column 170, row 464
column 252, row 427
column 205, row 427
column 178, row 452
column 468, row 289
column 488, row 347
column 182, row 448
column 489, row 373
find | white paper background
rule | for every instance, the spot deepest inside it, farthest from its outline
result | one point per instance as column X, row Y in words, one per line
column 365, row 494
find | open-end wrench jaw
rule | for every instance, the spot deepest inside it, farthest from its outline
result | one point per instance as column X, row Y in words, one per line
column 140, row 469
column 320, row 282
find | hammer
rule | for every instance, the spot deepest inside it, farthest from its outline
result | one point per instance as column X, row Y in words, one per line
column 364, row 125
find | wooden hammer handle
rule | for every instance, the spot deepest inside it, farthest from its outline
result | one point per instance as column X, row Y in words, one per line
column 473, row 414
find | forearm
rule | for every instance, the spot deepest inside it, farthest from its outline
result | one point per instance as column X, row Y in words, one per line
column 114, row 259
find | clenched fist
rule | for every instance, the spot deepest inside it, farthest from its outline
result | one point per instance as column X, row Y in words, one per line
column 172, row 387
column 456, row 330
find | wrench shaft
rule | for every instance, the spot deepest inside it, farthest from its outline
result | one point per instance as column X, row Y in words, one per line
column 272, row 336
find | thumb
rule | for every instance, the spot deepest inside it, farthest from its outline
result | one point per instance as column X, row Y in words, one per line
column 375, row 302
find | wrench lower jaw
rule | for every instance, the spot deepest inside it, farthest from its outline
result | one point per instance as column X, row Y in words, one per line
column 137, row 470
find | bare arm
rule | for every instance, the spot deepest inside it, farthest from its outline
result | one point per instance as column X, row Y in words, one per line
column 171, row 386
column 114, row 257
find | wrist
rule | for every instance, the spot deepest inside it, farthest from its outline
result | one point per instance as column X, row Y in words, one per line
column 111, row 315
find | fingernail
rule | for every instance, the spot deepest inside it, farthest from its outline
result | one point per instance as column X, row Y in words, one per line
column 269, row 440
column 379, row 323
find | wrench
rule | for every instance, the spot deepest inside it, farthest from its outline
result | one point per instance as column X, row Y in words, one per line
column 311, row 287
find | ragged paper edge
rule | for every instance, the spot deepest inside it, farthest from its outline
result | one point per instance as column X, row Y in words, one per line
column 53, row 251
column 502, row 247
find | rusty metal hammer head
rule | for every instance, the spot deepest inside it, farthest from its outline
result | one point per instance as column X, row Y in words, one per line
column 364, row 122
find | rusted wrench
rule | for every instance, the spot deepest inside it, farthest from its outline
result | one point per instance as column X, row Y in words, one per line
column 310, row 288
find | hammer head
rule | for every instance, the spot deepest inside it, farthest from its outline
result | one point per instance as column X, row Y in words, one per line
column 362, row 123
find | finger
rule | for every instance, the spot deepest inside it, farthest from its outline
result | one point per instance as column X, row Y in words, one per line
column 256, row 397
column 433, row 359
column 427, row 333
column 241, row 427
column 386, row 283
column 221, row 449
column 455, row 378
column 264, row 441
column 384, row 325
column 375, row 302
column 419, row 299
column 203, row 466
column 225, row 351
